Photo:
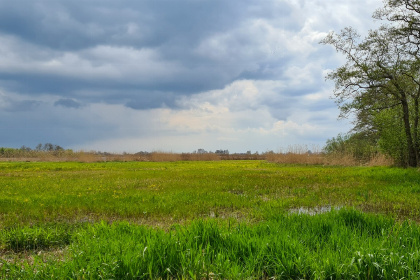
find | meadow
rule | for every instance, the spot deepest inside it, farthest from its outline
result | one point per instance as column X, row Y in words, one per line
column 239, row 219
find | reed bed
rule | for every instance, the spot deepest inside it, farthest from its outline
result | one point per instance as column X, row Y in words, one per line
column 292, row 155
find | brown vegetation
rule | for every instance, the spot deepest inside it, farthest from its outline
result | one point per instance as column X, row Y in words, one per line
column 293, row 155
column 301, row 155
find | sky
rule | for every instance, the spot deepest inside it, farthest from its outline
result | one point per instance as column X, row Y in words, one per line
column 172, row 76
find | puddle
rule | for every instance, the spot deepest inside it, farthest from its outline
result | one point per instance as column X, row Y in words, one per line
column 314, row 210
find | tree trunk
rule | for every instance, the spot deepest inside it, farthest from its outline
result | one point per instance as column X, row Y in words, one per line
column 416, row 126
column 412, row 157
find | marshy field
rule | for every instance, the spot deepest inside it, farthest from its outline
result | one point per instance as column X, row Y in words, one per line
column 224, row 219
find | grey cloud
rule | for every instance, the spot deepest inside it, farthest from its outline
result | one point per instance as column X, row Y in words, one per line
column 16, row 106
column 79, row 24
column 36, row 84
column 69, row 103
column 152, row 99
column 173, row 29
column 145, row 55
column 46, row 123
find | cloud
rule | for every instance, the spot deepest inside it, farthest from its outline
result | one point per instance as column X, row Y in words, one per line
column 99, row 63
column 21, row 105
column 171, row 75
column 16, row 105
column 237, row 117
column 69, row 103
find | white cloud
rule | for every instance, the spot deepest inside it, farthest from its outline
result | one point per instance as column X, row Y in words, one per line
column 221, row 119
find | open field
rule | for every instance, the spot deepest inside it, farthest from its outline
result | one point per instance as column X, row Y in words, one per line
column 207, row 219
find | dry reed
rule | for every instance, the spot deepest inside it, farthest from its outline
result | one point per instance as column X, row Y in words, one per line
column 292, row 155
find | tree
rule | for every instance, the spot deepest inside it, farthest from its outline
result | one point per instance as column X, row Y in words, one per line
column 25, row 149
column 392, row 136
column 404, row 14
column 48, row 147
column 381, row 74
column 357, row 145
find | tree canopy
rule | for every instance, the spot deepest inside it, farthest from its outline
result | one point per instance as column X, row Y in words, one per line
column 380, row 81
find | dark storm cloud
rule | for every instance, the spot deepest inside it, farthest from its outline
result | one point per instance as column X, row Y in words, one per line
column 176, row 32
column 77, row 24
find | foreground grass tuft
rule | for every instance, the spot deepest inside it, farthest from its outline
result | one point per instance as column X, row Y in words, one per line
column 21, row 239
column 344, row 244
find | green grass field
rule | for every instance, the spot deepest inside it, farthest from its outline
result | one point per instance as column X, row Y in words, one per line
column 207, row 220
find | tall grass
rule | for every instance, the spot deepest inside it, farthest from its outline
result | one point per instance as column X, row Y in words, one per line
column 298, row 154
column 19, row 239
column 92, row 156
column 344, row 244
column 302, row 155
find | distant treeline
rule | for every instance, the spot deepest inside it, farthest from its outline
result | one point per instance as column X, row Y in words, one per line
column 40, row 149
